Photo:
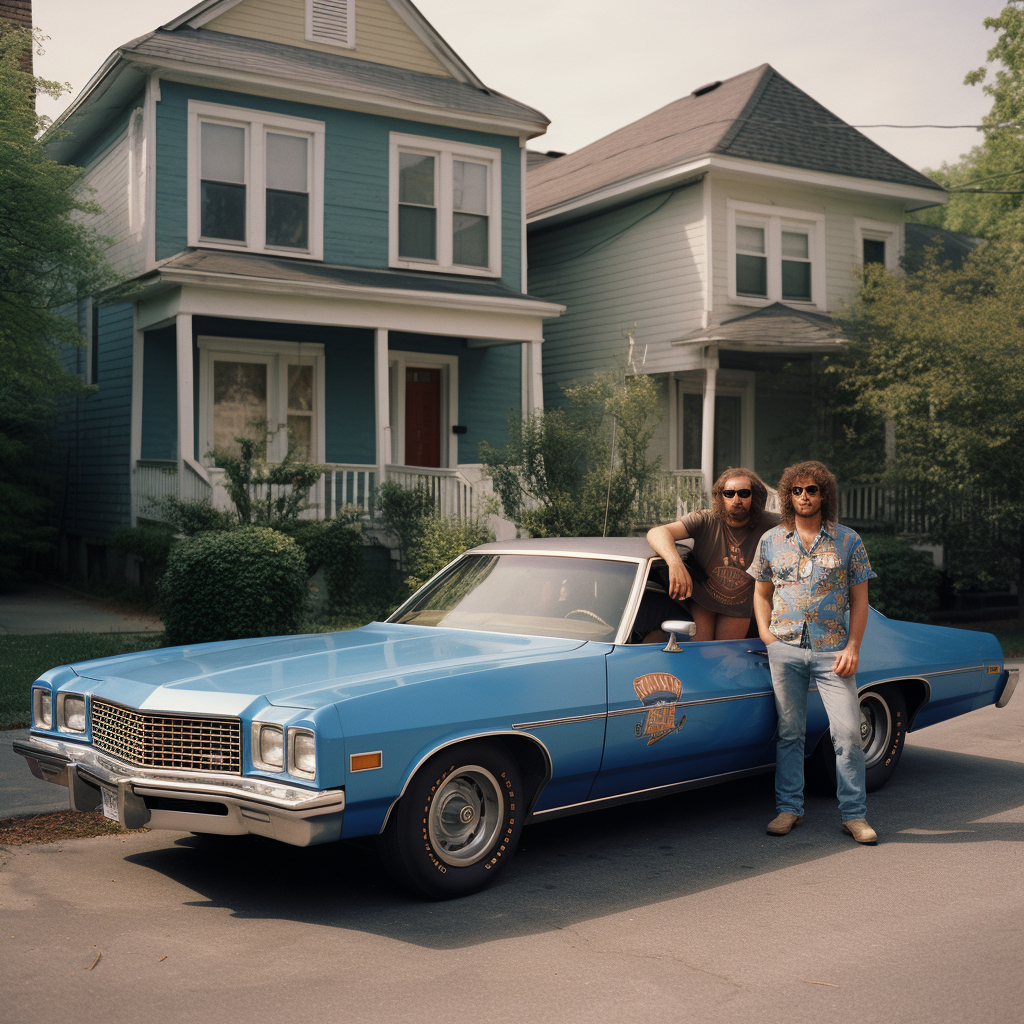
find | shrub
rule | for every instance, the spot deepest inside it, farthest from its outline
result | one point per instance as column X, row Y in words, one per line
column 336, row 546
column 248, row 582
column 404, row 513
column 192, row 517
column 149, row 542
column 907, row 586
column 442, row 539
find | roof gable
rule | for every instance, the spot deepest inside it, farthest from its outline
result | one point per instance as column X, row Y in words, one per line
column 758, row 115
column 391, row 32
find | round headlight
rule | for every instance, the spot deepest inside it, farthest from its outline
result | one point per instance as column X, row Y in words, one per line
column 72, row 716
column 42, row 708
column 303, row 759
column 271, row 746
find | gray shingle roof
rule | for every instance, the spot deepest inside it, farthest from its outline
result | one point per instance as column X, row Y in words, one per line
column 758, row 115
column 205, row 47
column 772, row 326
column 303, row 272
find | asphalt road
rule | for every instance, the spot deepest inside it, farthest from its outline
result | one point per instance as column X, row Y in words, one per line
column 675, row 910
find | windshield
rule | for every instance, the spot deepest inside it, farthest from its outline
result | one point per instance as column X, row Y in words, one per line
column 538, row 595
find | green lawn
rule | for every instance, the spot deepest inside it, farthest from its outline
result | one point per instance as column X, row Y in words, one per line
column 24, row 658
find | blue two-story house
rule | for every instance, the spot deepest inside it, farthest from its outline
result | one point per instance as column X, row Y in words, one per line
column 322, row 210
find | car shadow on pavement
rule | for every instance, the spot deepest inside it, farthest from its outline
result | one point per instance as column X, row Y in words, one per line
column 606, row 862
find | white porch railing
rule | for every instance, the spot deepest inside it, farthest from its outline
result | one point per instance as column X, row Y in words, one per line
column 455, row 491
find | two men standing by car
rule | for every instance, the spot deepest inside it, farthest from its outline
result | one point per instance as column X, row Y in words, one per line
column 811, row 605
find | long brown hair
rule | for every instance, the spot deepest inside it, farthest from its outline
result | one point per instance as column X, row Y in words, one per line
column 826, row 482
column 758, row 493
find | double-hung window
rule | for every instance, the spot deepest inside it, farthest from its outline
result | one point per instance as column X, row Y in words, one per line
column 445, row 206
column 876, row 241
column 255, row 181
column 775, row 255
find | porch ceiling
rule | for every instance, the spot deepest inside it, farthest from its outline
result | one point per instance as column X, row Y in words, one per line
column 775, row 328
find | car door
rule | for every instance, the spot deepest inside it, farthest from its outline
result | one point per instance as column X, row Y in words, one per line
column 674, row 716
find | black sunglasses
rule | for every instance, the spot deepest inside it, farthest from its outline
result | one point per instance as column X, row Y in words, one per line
column 810, row 489
column 744, row 492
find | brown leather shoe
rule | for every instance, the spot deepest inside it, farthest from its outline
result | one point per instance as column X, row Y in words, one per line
column 783, row 823
column 860, row 830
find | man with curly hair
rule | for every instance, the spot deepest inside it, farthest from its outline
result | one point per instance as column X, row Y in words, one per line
column 725, row 540
column 811, row 604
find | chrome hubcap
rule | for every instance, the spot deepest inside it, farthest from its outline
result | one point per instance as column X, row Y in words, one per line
column 875, row 728
column 465, row 816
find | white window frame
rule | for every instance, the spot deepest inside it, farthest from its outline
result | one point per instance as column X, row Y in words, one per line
column 882, row 231
column 446, row 152
column 775, row 220
column 276, row 356
column 257, row 124
column 398, row 363
column 349, row 17
column 729, row 383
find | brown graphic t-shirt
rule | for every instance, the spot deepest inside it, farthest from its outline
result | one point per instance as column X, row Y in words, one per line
column 725, row 552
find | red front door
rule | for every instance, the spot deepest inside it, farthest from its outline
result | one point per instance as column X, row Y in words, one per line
column 422, row 417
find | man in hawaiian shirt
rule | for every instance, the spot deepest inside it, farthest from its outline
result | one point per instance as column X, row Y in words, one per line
column 811, row 605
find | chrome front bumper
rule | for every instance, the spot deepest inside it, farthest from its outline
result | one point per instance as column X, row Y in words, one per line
column 185, row 802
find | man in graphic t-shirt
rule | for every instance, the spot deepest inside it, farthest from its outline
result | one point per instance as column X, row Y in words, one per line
column 725, row 540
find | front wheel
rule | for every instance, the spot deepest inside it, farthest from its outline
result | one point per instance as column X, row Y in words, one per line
column 883, row 733
column 458, row 823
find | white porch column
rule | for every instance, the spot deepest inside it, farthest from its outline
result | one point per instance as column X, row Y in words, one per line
column 186, row 404
column 536, row 378
column 382, row 401
column 707, row 437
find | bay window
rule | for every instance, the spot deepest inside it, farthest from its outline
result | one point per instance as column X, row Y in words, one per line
column 255, row 181
column 445, row 206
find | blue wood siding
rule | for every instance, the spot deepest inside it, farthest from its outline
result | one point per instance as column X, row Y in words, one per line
column 159, row 395
column 355, row 176
column 489, row 386
column 96, row 432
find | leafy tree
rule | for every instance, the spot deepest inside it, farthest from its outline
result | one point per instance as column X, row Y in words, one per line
column 940, row 353
column 988, row 182
column 555, row 476
column 49, row 257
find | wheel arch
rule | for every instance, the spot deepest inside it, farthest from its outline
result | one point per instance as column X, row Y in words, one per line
column 917, row 691
column 530, row 754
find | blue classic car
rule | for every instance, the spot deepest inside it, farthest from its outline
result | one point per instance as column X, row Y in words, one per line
column 510, row 688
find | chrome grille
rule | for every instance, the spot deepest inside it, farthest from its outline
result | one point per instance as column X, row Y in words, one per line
column 168, row 741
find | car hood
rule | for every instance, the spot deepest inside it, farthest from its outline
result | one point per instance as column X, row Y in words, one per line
column 302, row 671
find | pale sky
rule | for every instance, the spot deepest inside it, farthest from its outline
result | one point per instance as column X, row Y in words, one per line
column 593, row 66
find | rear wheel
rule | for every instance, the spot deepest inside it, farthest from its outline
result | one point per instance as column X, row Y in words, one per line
column 458, row 823
column 883, row 733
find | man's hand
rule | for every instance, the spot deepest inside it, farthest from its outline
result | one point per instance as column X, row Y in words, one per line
column 680, row 583
column 846, row 662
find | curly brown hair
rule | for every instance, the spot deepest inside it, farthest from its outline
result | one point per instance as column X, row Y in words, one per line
column 826, row 482
column 758, row 493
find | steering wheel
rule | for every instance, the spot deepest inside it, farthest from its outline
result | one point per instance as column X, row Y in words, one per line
column 586, row 611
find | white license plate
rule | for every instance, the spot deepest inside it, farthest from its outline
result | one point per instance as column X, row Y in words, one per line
column 110, row 803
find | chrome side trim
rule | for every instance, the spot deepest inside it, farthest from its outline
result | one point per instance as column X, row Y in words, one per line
column 466, row 739
column 642, row 709
column 955, row 671
column 645, row 794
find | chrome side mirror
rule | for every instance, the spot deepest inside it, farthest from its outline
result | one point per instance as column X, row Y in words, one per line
column 673, row 626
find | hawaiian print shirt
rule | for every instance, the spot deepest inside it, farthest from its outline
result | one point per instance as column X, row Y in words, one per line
column 811, row 604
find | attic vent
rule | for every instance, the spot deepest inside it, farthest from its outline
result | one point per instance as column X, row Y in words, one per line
column 331, row 22
column 710, row 87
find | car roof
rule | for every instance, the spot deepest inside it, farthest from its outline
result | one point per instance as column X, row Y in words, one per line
column 588, row 547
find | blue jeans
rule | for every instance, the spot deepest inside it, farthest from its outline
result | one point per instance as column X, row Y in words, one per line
column 793, row 670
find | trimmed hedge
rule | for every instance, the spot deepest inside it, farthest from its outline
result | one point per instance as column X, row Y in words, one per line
column 907, row 586
column 248, row 582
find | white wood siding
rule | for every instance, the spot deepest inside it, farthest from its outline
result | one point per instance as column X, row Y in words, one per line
column 839, row 210
column 107, row 175
column 381, row 35
column 612, row 271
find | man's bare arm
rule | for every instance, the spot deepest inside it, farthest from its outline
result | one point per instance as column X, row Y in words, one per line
column 663, row 540
column 763, row 592
column 848, row 658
